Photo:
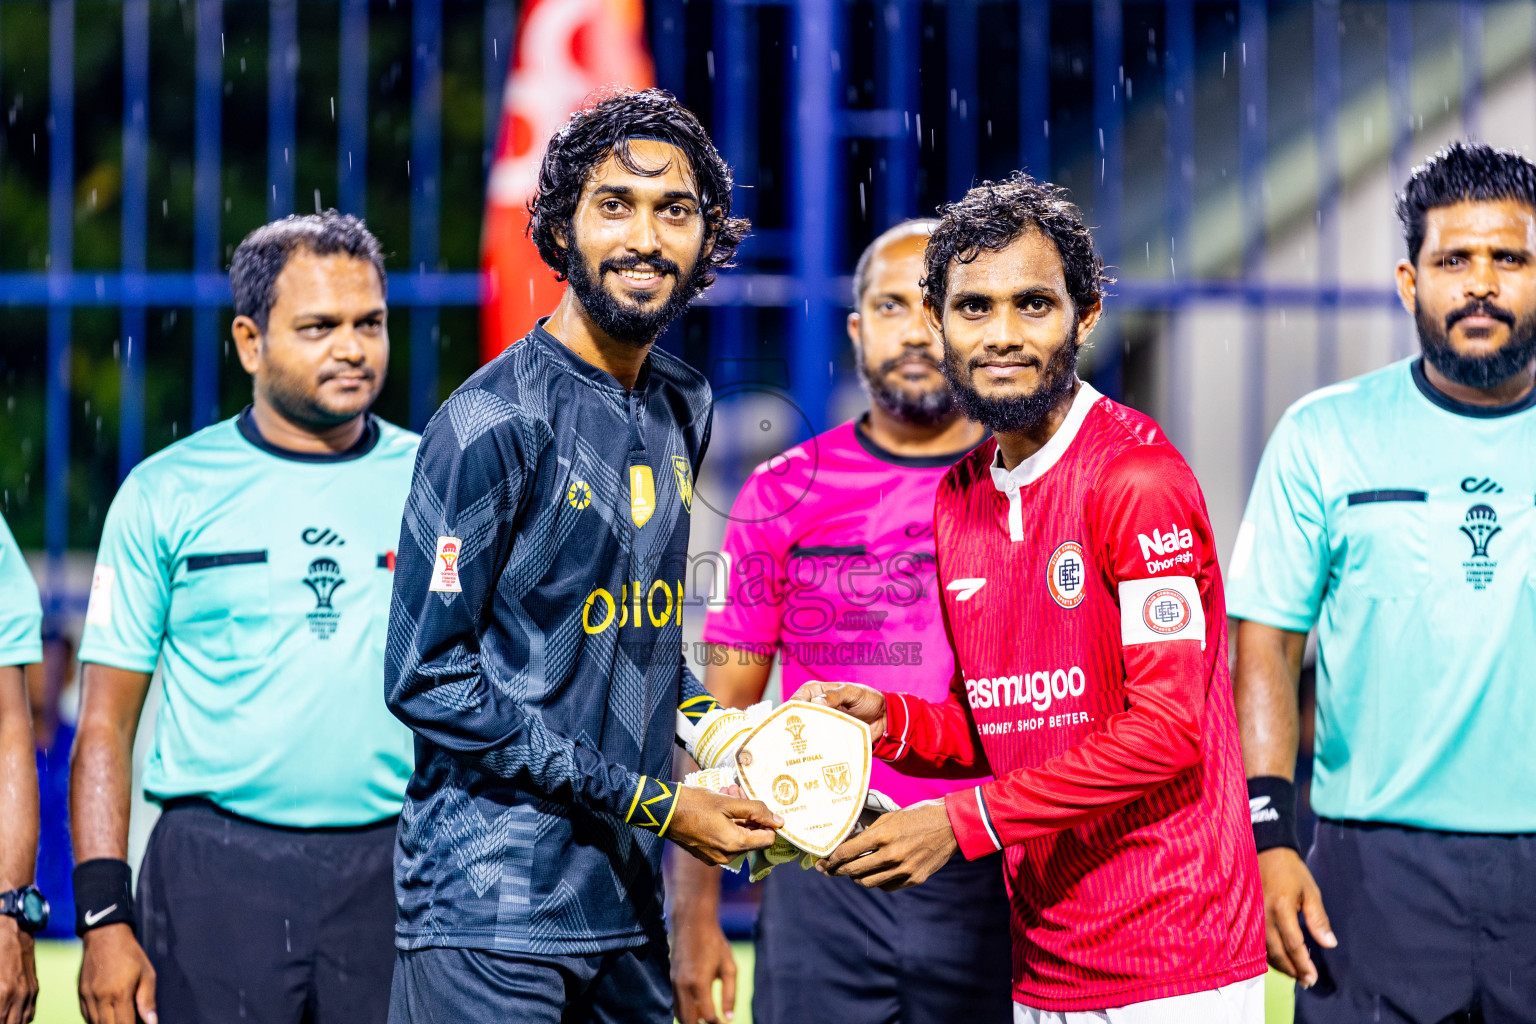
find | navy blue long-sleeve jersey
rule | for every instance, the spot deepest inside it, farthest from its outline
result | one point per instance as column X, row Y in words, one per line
column 535, row 647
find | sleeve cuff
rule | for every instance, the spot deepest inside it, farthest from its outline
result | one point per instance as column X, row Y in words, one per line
column 25, row 652
column 695, row 708
column 972, row 823
column 652, row 805
column 112, row 658
column 1272, row 618
column 892, row 744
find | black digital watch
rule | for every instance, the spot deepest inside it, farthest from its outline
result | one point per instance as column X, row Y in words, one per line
column 28, row 906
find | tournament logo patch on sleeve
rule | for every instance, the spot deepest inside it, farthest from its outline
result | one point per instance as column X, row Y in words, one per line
column 98, row 610
column 445, row 567
column 1161, row 608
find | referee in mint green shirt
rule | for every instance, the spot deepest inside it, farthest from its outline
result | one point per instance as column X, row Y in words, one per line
column 23, row 910
column 252, row 562
column 1396, row 514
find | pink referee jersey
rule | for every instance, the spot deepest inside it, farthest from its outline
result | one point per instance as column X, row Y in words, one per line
column 831, row 566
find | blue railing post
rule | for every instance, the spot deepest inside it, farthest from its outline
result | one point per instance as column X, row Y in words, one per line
column 130, row 431
column 964, row 91
column 899, row 55
column 734, row 130
column 1035, row 87
column 669, row 51
column 1253, row 144
column 496, row 59
column 817, row 214
column 735, row 134
column 1179, row 102
column 426, row 183
column 1325, row 109
column 1400, row 96
column 352, row 109
column 1472, row 68
column 61, row 248
column 1108, row 194
column 207, row 211
column 735, row 96
column 282, row 103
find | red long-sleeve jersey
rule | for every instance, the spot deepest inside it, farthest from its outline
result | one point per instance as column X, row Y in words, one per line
column 1084, row 604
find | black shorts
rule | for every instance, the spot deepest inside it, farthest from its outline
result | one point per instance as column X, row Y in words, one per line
column 447, row 985
column 247, row 923
column 829, row 949
column 1433, row 927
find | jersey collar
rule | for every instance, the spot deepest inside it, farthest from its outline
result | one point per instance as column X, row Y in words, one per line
column 875, row 450
column 1033, row 468
column 572, row 362
column 1482, row 412
column 246, row 424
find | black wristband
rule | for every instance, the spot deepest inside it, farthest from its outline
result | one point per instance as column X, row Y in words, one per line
column 1272, row 810
column 103, row 894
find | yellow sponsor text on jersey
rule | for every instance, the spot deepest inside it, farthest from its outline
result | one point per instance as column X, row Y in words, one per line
column 634, row 605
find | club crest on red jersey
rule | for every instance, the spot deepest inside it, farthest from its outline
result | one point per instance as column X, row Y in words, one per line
column 1165, row 611
column 1066, row 574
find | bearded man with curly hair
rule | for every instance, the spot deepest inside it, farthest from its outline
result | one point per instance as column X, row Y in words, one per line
column 1080, row 588
column 535, row 633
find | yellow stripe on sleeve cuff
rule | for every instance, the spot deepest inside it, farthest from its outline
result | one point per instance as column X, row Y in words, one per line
column 654, row 803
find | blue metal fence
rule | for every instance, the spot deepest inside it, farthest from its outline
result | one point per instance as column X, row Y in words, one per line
column 799, row 266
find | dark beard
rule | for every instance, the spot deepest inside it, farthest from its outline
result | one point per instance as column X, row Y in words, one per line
column 633, row 325
column 1021, row 412
column 297, row 404
column 923, row 410
column 1482, row 372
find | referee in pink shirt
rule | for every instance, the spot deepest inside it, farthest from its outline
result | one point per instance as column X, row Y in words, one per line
column 831, row 559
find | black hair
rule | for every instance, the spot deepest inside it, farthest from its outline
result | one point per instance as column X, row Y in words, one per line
column 1457, row 173
column 605, row 129
column 993, row 215
column 262, row 255
column 899, row 230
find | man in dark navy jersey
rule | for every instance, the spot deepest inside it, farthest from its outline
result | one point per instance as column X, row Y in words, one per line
column 535, row 635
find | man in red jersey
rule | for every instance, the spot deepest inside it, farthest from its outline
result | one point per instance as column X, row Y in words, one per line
column 1084, row 604
column 831, row 570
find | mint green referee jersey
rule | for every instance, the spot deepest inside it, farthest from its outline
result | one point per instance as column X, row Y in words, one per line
column 1402, row 525
column 21, row 616
column 260, row 580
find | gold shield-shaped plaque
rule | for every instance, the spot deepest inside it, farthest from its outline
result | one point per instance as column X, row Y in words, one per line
column 810, row 765
column 642, row 494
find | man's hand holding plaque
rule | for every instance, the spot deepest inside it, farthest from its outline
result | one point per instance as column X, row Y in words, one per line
column 712, row 826
column 809, row 763
column 899, row 849
column 865, row 703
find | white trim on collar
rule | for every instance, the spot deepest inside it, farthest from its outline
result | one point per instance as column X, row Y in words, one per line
column 1033, row 468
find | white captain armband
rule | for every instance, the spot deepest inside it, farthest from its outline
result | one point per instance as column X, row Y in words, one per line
column 1161, row 608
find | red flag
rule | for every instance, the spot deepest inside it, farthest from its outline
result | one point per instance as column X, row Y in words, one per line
column 565, row 49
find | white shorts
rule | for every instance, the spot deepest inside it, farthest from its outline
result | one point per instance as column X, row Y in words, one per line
column 1241, row 1002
